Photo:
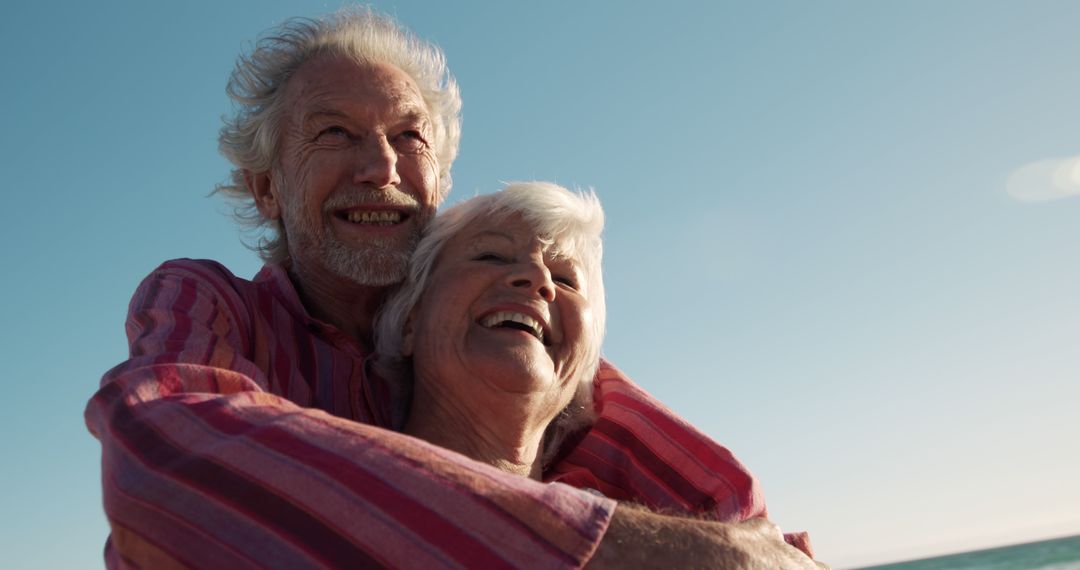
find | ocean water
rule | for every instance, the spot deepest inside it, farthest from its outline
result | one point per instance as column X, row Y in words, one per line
column 1057, row 554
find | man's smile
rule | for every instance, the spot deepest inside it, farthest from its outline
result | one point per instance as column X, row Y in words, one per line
column 378, row 217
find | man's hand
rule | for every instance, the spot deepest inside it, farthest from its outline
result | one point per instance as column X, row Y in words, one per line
column 764, row 547
column 638, row 538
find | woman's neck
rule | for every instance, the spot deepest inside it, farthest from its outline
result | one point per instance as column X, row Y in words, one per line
column 501, row 434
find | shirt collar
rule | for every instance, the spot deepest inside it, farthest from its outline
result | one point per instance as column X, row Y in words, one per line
column 276, row 278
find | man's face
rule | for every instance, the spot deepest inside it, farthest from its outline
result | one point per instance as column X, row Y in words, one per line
column 356, row 178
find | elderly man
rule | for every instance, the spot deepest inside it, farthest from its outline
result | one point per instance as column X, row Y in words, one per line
column 242, row 431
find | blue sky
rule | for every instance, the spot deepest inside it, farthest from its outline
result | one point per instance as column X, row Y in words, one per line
column 842, row 236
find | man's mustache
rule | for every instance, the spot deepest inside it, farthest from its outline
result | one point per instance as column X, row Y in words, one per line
column 353, row 197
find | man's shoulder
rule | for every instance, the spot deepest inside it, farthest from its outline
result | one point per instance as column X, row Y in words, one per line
column 205, row 268
column 212, row 273
column 200, row 288
column 185, row 278
column 193, row 280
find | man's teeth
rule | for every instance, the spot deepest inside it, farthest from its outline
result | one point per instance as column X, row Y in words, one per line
column 500, row 318
column 374, row 217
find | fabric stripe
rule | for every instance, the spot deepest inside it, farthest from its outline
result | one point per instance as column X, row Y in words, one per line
column 225, row 486
column 645, row 457
column 528, row 538
column 174, row 513
column 619, row 475
column 458, row 544
column 220, row 280
column 701, row 465
column 305, row 486
column 140, row 553
column 132, row 496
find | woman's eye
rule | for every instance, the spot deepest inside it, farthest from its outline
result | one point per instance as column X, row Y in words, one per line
column 569, row 282
column 490, row 257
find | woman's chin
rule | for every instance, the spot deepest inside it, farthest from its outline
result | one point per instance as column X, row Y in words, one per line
column 517, row 372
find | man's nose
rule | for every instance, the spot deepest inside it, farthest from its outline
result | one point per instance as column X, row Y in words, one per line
column 376, row 163
column 533, row 276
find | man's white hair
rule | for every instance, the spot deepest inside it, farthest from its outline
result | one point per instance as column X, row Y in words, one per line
column 570, row 222
column 250, row 137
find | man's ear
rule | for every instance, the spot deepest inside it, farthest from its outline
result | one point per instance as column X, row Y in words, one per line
column 261, row 188
column 407, row 337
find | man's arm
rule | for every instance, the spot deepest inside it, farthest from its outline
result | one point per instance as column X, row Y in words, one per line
column 642, row 452
column 638, row 538
column 204, row 467
column 638, row 450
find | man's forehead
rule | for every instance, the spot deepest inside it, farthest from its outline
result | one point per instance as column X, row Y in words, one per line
column 336, row 84
column 404, row 111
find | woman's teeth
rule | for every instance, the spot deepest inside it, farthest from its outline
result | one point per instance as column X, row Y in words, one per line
column 514, row 320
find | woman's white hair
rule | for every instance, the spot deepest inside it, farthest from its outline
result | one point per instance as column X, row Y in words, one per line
column 250, row 137
column 570, row 222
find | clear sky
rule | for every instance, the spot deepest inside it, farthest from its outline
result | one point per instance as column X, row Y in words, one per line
column 844, row 237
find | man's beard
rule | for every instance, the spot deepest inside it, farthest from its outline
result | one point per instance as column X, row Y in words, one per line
column 378, row 263
column 375, row 263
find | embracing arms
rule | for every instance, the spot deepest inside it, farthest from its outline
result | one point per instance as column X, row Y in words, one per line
column 208, row 462
column 205, row 465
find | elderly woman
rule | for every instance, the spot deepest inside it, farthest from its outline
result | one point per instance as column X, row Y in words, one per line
column 497, row 331
column 499, row 323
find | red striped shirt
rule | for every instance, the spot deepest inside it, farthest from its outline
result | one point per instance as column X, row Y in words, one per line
column 241, row 432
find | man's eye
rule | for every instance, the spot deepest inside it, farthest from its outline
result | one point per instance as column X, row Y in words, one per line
column 410, row 142
column 333, row 133
column 490, row 257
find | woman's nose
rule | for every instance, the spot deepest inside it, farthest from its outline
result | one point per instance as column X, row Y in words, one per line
column 535, row 277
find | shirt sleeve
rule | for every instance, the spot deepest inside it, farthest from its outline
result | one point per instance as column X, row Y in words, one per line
column 202, row 466
column 639, row 450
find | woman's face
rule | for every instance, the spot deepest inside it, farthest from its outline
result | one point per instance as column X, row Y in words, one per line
column 501, row 311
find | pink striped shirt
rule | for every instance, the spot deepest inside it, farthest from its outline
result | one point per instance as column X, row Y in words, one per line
column 243, row 433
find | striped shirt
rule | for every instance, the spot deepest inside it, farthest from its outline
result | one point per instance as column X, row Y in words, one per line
column 243, row 433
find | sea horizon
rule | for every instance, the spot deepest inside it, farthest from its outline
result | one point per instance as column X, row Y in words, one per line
column 1060, row 553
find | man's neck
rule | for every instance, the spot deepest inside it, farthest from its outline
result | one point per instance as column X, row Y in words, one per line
column 338, row 301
